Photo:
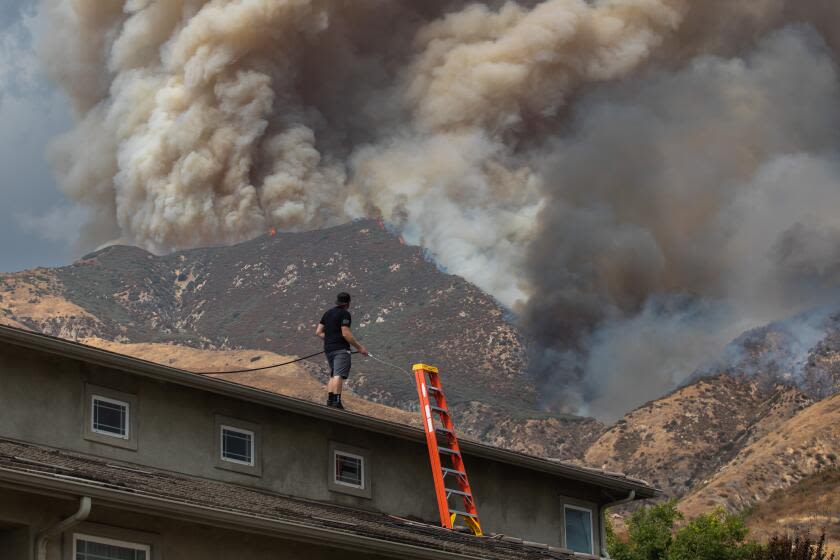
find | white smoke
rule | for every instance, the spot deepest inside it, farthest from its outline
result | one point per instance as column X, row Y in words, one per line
column 579, row 160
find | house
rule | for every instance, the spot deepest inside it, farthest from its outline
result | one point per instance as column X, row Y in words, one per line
column 107, row 456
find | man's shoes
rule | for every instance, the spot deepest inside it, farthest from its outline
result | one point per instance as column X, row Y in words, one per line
column 334, row 401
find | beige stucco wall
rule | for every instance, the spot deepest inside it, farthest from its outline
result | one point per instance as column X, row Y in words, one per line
column 42, row 401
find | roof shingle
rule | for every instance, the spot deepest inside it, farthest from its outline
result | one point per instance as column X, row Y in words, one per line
column 84, row 470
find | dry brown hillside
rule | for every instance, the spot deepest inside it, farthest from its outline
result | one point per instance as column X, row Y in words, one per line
column 812, row 505
column 804, row 445
column 683, row 438
column 36, row 297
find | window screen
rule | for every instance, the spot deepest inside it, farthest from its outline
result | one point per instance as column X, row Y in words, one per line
column 349, row 469
column 110, row 417
column 237, row 445
column 91, row 548
column 578, row 529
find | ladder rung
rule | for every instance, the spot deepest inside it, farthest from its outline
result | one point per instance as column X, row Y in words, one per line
column 459, row 492
column 448, row 451
column 456, row 472
column 464, row 513
column 439, row 409
column 446, row 431
column 431, row 389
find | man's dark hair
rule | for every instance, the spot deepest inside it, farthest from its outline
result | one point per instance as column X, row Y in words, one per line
column 342, row 299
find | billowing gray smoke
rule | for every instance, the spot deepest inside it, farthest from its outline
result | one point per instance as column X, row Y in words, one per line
column 638, row 179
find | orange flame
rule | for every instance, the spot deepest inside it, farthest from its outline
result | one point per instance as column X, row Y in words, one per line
column 272, row 231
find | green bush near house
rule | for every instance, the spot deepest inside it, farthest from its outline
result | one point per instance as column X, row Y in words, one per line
column 652, row 535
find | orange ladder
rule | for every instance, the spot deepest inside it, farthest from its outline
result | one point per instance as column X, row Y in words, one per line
column 428, row 383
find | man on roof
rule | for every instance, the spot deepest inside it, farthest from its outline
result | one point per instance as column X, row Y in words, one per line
column 334, row 328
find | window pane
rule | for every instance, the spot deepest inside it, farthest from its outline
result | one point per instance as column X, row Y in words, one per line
column 579, row 530
column 88, row 550
column 236, row 446
column 348, row 470
column 109, row 417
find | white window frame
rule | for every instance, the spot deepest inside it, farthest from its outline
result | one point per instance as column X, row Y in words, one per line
column 336, row 480
column 591, row 527
column 96, row 397
column 111, row 542
column 253, row 435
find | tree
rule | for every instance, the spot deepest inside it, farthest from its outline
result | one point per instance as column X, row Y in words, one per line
column 715, row 536
column 652, row 536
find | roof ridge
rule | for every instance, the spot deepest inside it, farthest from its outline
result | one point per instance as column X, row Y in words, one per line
column 165, row 372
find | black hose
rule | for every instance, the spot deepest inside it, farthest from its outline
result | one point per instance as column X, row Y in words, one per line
column 389, row 364
column 262, row 368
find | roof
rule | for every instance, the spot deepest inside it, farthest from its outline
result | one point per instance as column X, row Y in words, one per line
column 146, row 490
column 38, row 341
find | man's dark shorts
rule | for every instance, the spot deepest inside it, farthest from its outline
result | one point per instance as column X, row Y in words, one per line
column 339, row 361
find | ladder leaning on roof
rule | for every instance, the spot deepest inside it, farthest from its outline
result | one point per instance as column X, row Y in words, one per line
column 433, row 405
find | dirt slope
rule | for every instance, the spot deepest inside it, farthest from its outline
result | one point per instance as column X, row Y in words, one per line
column 806, row 444
column 681, row 439
column 35, row 300
column 812, row 505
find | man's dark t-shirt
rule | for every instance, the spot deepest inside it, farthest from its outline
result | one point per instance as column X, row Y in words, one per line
column 333, row 320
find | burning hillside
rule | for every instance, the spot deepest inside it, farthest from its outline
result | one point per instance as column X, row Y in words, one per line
column 640, row 181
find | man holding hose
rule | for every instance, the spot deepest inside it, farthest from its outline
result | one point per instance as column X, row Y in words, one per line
column 334, row 328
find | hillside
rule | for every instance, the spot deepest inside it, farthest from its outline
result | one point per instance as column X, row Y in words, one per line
column 806, row 444
column 803, row 350
column 267, row 294
column 683, row 438
column 811, row 505
column 767, row 377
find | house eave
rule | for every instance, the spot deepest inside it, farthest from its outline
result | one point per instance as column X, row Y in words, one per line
column 106, row 358
column 171, row 509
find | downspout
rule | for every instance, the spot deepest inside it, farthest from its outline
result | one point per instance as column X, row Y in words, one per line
column 626, row 500
column 50, row 532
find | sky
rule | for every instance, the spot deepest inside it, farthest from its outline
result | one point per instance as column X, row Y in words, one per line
column 37, row 226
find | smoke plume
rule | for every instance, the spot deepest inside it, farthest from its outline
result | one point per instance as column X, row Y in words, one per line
column 638, row 179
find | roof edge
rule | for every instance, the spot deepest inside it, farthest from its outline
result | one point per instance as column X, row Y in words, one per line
column 107, row 358
column 219, row 518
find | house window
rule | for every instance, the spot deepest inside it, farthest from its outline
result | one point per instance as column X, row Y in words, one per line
column 349, row 469
column 109, row 417
column 578, row 527
column 86, row 547
column 237, row 445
